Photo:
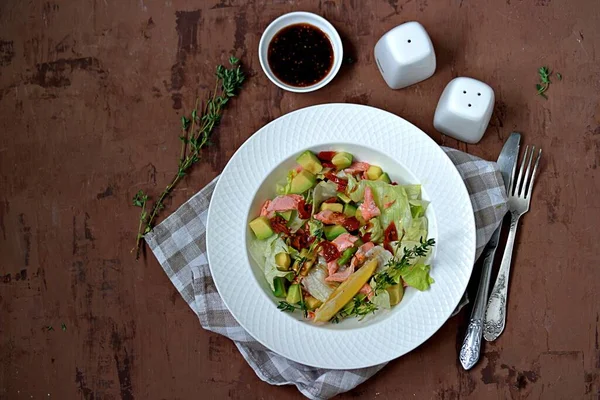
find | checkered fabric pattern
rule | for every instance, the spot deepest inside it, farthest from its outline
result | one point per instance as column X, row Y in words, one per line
column 179, row 244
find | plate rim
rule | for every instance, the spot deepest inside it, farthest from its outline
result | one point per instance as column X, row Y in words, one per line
column 439, row 150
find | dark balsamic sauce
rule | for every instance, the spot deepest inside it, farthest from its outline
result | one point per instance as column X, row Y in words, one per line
column 300, row 55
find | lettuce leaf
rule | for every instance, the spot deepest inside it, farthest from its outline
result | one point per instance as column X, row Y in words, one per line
column 315, row 283
column 398, row 210
column 399, row 249
column 381, row 255
column 416, row 230
column 375, row 229
column 417, row 276
column 285, row 189
column 323, row 191
column 382, row 300
column 418, row 207
column 352, row 185
column 315, row 228
column 295, row 222
column 413, row 192
column 263, row 253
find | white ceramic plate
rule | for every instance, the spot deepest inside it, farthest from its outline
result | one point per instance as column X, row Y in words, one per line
column 372, row 135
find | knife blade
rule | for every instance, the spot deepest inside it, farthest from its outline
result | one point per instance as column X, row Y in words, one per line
column 471, row 347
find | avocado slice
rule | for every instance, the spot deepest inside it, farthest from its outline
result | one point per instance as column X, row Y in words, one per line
column 285, row 214
column 279, row 284
column 385, row 177
column 374, row 172
column 359, row 217
column 349, row 210
column 312, row 303
column 333, row 231
column 342, row 160
column 302, row 182
column 336, row 207
column 261, row 228
column 396, row 293
column 309, row 162
column 294, row 295
column 344, row 198
column 283, row 261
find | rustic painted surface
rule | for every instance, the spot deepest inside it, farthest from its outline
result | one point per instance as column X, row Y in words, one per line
column 90, row 96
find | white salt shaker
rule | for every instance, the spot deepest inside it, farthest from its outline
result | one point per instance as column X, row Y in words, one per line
column 405, row 55
column 464, row 109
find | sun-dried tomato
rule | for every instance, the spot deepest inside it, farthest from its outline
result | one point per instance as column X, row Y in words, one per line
column 394, row 183
column 327, row 164
column 366, row 237
column 326, row 155
column 279, row 225
column 329, row 251
column 340, row 182
column 304, row 209
column 300, row 239
column 335, row 179
column 331, row 200
column 351, row 224
column 391, row 233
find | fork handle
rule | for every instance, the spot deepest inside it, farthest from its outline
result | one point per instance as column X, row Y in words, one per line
column 471, row 347
column 495, row 315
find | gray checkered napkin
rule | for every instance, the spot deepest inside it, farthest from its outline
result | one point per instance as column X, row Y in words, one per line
column 179, row 244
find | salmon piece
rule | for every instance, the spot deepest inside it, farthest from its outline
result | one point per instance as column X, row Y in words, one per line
column 344, row 241
column 282, row 203
column 264, row 209
column 357, row 167
column 298, row 168
column 332, row 267
column 368, row 208
column 330, row 217
column 360, row 255
column 340, row 276
column 367, row 290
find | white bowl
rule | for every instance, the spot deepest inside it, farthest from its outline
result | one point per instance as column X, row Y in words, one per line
column 293, row 18
column 410, row 156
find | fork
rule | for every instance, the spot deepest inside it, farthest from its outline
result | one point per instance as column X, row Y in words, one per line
column 519, row 198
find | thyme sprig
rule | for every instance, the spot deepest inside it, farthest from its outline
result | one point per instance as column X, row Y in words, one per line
column 391, row 274
column 359, row 306
column 196, row 132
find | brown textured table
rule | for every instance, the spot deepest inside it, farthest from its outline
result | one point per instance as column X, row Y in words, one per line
column 90, row 97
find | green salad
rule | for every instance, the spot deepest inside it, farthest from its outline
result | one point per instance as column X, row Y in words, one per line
column 341, row 239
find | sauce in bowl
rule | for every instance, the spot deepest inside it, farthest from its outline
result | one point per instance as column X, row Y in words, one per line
column 300, row 55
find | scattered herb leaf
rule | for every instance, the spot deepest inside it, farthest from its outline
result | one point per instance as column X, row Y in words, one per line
column 63, row 326
column 544, row 74
column 49, row 328
column 542, row 87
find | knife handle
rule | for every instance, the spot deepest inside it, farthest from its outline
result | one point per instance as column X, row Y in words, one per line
column 471, row 347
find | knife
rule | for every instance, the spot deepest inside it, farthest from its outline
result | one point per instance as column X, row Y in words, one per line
column 470, row 350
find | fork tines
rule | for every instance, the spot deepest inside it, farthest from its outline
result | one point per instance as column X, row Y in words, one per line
column 523, row 185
